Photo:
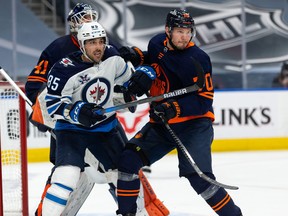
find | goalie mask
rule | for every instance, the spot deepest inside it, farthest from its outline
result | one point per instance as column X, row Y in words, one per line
column 79, row 14
column 182, row 19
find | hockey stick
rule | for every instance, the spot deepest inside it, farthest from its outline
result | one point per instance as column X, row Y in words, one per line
column 85, row 183
column 16, row 87
column 190, row 159
column 199, row 84
column 21, row 93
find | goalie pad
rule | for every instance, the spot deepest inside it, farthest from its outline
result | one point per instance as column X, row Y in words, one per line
column 147, row 202
column 79, row 195
column 96, row 171
column 64, row 181
column 84, row 185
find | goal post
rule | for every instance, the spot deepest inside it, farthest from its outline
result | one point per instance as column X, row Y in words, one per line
column 13, row 157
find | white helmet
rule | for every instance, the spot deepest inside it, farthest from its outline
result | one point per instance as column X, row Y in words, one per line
column 81, row 13
column 88, row 31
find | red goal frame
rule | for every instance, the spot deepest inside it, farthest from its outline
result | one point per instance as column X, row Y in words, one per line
column 23, row 147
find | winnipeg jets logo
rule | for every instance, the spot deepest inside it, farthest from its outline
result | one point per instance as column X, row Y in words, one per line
column 97, row 91
column 84, row 79
column 66, row 62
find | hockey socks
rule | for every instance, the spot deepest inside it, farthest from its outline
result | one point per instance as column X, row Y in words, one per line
column 148, row 205
column 129, row 189
column 223, row 205
column 128, row 184
column 127, row 194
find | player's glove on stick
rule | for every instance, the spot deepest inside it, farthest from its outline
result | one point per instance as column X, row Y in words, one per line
column 141, row 81
column 169, row 109
column 133, row 54
column 127, row 96
column 85, row 113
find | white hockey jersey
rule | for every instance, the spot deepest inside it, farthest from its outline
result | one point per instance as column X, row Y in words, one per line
column 71, row 80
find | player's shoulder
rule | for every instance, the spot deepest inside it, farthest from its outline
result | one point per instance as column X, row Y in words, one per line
column 200, row 56
column 110, row 50
column 197, row 51
column 70, row 65
column 114, row 64
column 59, row 44
column 114, row 60
column 60, row 40
column 158, row 38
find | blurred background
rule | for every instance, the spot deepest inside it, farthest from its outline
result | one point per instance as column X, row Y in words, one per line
column 246, row 40
column 248, row 46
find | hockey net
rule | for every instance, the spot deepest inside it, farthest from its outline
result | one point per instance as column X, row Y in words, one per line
column 13, row 166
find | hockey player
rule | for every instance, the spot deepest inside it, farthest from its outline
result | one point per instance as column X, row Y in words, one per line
column 37, row 79
column 34, row 85
column 78, row 86
column 173, row 55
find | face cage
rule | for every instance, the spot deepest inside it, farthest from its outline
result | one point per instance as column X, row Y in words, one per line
column 81, row 17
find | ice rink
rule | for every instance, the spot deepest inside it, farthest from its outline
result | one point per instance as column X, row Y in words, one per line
column 262, row 178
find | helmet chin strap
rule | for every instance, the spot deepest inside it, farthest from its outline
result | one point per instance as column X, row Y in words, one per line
column 86, row 56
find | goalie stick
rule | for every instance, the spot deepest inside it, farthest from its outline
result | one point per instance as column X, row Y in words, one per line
column 190, row 159
column 15, row 86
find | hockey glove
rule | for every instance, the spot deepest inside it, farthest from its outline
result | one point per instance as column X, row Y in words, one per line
column 133, row 54
column 127, row 96
column 167, row 110
column 41, row 127
column 85, row 113
column 141, row 81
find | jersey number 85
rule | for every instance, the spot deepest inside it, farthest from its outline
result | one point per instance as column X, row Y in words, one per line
column 53, row 82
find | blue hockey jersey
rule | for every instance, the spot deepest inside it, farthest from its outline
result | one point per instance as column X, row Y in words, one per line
column 175, row 70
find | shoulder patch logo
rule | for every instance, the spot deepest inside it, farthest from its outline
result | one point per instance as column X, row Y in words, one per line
column 66, row 62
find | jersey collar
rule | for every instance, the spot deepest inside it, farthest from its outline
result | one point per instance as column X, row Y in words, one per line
column 190, row 44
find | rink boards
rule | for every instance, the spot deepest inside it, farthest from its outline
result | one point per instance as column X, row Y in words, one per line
column 244, row 120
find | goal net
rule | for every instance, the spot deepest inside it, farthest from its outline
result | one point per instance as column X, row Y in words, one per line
column 13, row 166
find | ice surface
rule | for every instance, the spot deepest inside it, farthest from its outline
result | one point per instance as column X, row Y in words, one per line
column 262, row 178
